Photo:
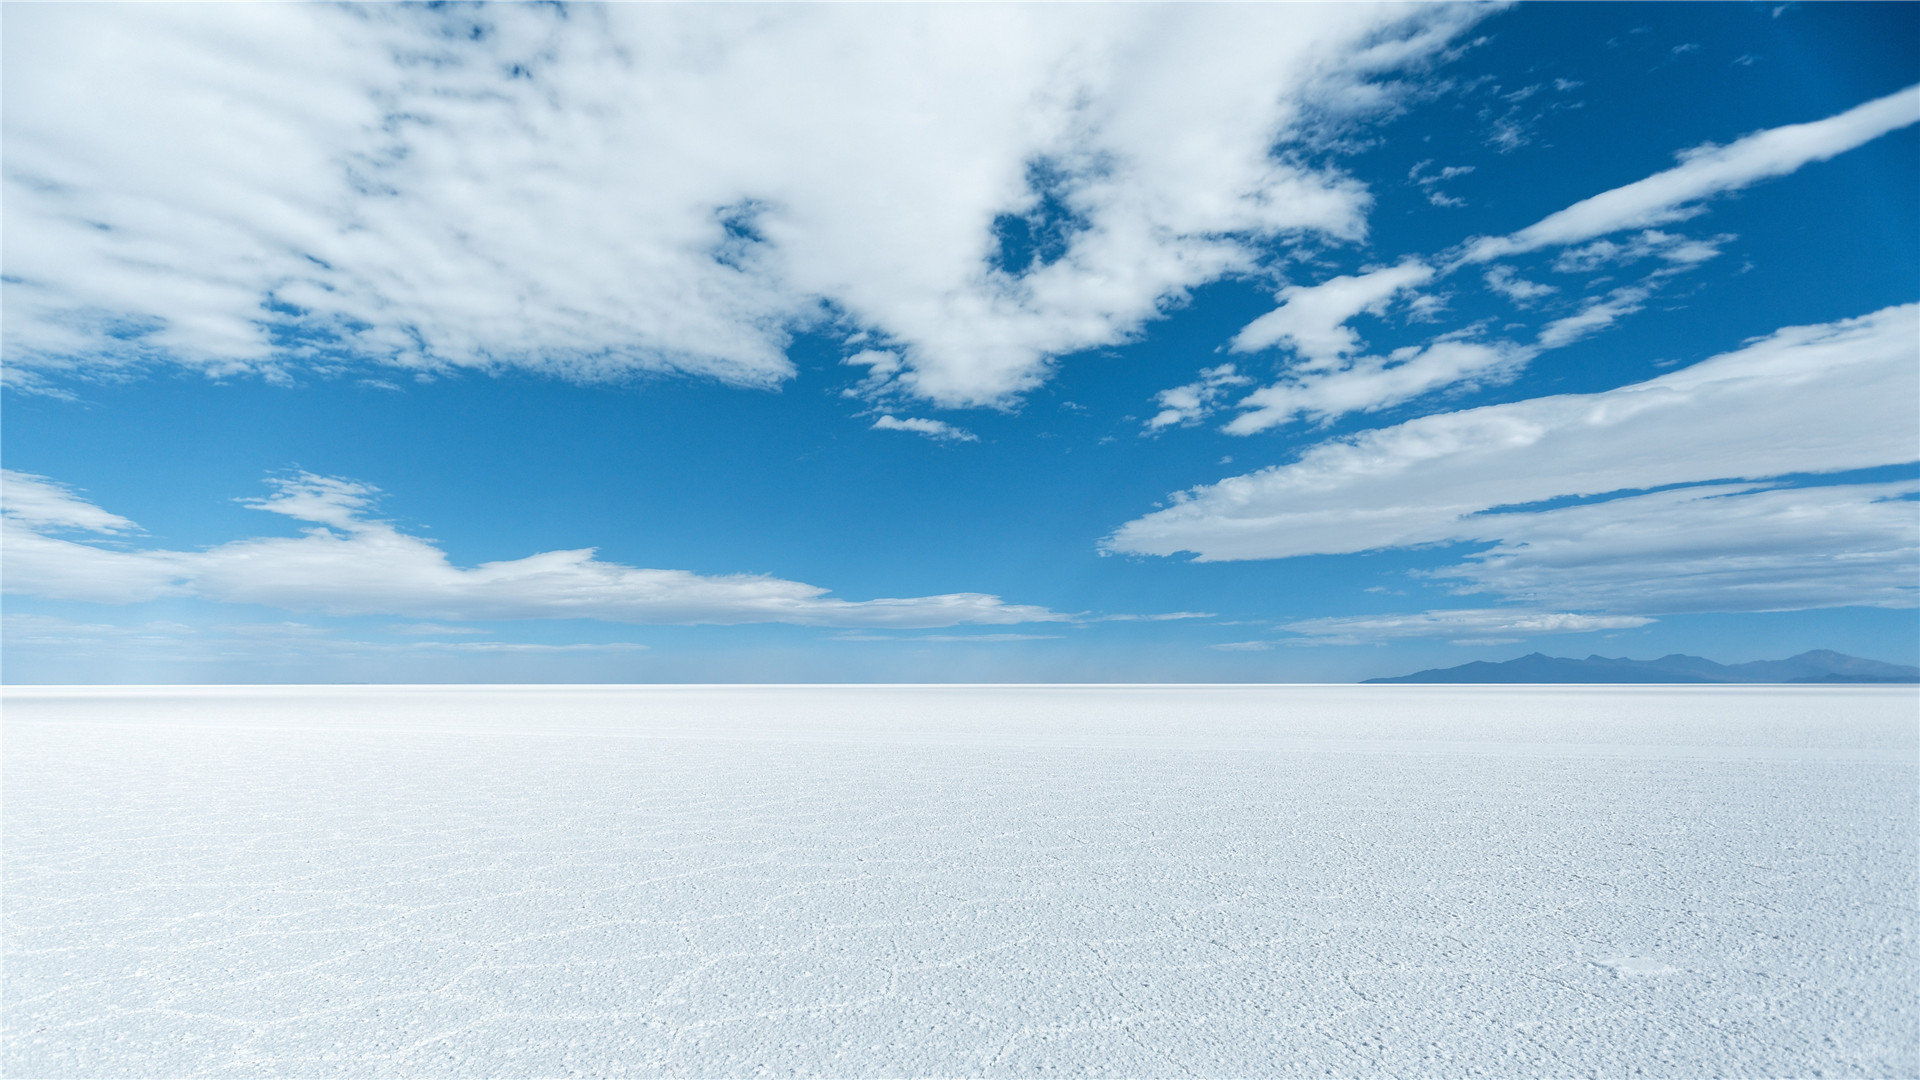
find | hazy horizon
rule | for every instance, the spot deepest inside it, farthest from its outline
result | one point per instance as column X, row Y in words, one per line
column 899, row 682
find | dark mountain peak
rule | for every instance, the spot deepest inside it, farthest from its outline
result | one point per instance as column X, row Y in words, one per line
column 1814, row 666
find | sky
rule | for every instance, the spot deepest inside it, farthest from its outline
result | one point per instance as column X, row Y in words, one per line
column 843, row 343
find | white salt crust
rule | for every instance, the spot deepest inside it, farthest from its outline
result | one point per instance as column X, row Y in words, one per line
column 977, row 881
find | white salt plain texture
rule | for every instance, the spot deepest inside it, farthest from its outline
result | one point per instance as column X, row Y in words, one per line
column 996, row 881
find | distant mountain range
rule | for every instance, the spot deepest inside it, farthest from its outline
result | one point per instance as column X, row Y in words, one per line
column 1818, row 666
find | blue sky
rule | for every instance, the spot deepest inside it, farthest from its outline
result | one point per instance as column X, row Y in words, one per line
column 705, row 343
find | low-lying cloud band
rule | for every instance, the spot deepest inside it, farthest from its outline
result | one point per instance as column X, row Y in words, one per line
column 348, row 563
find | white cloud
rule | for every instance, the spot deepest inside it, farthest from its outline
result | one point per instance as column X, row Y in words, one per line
column 989, row 639
column 1810, row 399
column 1691, row 251
column 1311, row 319
column 40, row 504
column 30, row 630
column 1428, row 181
column 31, row 507
column 1697, row 549
column 1596, row 316
column 252, row 643
column 1186, row 404
column 1706, row 171
column 1679, row 251
column 1501, row 279
column 518, row 646
column 938, row 430
column 1327, row 382
column 624, row 189
column 883, row 366
column 1451, row 361
column 1372, row 383
column 1708, row 549
column 350, row 564
column 1507, row 135
column 327, row 500
column 1425, row 307
column 1366, row 629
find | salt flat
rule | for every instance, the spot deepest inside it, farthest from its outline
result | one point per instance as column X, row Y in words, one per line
column 886, row 881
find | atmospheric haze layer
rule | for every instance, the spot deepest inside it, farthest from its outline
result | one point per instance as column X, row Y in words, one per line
column 939, row 880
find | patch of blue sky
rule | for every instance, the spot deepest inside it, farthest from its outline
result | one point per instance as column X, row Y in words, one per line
column 1040, row 234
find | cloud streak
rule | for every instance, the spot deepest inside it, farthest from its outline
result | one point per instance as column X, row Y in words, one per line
column 1312, row 319
column 1719, row 548
column 1707, row 171
column 1187, row 404
column 1325, row 380
column 937, row 430
column 1369, row 629
column 1597, row 315
column 348, row 563
column 1811, row 399
column 1378, row 382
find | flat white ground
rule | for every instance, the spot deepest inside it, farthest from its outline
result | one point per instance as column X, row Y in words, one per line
column 884, row 881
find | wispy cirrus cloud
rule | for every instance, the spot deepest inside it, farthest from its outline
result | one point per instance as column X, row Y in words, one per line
column 950, row 639
column 256, row 643
column 1811, row 399
column 1598, row 314
column 598, row 192
column 1712, row 548
column 432, row 629
column 36, row 504
column 1672, row 248
column 937, row 430
column 1503, row 280
column 1187, row 404
column 1451, row 623
column 349, row 563
column 1378, row 382
column 1326, row 377
column 1429, row 181
column 1704, row 172
column 1312, row 319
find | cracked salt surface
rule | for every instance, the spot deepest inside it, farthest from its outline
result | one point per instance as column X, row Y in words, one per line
column 886, row 881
